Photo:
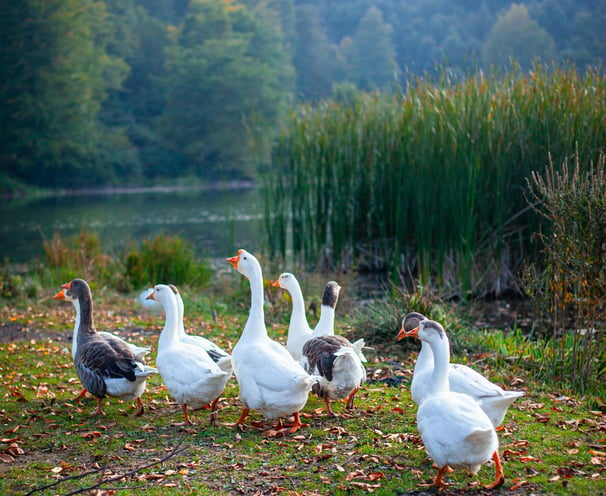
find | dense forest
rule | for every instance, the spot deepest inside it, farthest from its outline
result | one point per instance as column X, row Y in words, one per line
column 141, row 91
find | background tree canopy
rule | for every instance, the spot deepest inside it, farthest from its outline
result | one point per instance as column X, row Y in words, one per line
column 134, row 91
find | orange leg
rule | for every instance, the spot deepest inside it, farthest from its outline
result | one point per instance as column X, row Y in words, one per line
column 81, row 395
column 185, row 414
column 139, row 408
column 213, row 411
column 499, row 476
column 438, row 482
column 99, row 411
column 329, row 409
column 350, row 399
column 243, row 415
column 296, row 424
column 447, row 469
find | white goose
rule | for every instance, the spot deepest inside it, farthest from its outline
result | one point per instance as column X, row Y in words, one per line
column 218, row 355
column 105, row 364
column 493, row 399
column 270, row 381
column 191, row 377
column 299, row 331
column 455, row 430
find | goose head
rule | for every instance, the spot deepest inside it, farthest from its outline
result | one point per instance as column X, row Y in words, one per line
column 409, row 322
column 286, row 281
column 429, row 331
column 164, row 295
column 74, row 290
column 178, row 298
column 330, row 296
column 245, row 263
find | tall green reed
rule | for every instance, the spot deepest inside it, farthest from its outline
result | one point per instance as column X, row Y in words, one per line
column 429, row 180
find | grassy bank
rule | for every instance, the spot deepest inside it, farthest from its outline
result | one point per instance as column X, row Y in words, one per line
column 552, row 441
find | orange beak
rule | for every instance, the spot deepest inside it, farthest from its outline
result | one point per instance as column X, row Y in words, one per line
column 61, row 294
column 276, row 283
column 413, row 333
column 150, row 296
column 234, row 260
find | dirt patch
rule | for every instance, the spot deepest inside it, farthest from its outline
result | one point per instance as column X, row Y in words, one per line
column 19, row 332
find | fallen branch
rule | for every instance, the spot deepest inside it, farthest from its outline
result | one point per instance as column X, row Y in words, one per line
column 178, row 449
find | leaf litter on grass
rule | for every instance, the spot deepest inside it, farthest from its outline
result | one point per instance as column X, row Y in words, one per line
column 551, row 442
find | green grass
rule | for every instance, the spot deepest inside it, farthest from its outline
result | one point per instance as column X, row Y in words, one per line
column 552, row 439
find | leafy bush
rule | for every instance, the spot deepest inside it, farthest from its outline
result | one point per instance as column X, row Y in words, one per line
column 164, row 259
column 569, row 287
column 17, row 285
column 78, row 256
column 379, row 323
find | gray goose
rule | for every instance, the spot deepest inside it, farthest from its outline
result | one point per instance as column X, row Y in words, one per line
column 334, row 358
column 326, row 322
column 336, row 361
column 106, row 365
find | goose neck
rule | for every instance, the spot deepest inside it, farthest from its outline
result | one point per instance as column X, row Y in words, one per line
column 326, row 323
column 180, row 324
column 441, row 357
column 256, row 318
column 77, row 322
column 425, row 358
column 298, row 307
column 170, row 333
column 84, row 320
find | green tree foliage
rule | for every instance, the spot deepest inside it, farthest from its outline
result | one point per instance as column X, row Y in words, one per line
column 127, row 91
column 373, row 62
column 55, row 73
column 516, row 35
column 140, row 40
column 226, row 76
column 314, row 58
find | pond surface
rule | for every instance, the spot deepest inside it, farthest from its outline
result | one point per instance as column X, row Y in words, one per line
column 216, row 222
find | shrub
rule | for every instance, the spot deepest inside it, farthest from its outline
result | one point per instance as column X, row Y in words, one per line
column 569, row 287
column 78, row 256
column 164, row 259
column 379, row 323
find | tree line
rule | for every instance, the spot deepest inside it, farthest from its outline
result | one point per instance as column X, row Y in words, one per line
column 141, row 91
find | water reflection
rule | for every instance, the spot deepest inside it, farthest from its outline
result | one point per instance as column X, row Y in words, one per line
column 216, row 222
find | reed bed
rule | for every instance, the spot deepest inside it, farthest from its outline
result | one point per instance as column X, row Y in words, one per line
column 429, row 180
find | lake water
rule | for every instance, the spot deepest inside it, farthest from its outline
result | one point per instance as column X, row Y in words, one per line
column 217, row 222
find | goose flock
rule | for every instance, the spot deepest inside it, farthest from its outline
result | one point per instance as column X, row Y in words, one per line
column 458, row 410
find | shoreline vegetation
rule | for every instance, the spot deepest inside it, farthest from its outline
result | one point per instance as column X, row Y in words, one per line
column 433, row 179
